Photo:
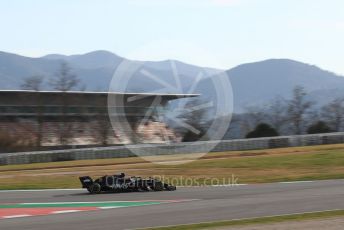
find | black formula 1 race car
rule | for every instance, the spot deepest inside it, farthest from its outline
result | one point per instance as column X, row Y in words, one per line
column 121, row 183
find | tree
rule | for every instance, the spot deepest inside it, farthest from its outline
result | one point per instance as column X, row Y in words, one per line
column 298, row 107
column 277, row 113
column 253, row 116
column 262, row 130
column 64, row 81
column 319, row 127
column 35, row 83
column 234, row 130
column 334, row 114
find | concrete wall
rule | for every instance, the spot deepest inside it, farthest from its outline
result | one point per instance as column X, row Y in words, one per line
column 164, row 149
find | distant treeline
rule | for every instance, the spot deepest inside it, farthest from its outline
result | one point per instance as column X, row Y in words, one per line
column 295, row 116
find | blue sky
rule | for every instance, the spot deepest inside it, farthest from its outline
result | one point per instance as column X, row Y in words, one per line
column 216, row 33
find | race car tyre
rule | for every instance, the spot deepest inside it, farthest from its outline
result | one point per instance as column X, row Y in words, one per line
column 144, row 188
column 158, row 186
column 170, row 187
column 94, row 188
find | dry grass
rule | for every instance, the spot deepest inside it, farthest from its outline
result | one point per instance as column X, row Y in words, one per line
column 260, row 166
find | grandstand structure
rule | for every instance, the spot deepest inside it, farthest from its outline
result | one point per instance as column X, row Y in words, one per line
column 52, row 118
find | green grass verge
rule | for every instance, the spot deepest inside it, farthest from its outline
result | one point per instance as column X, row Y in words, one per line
column 256, row 221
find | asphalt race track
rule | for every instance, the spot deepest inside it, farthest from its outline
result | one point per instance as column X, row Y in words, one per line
column 192, row 205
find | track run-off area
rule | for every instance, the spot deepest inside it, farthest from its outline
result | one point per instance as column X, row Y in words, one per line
column 75, row 208
column 14, row 210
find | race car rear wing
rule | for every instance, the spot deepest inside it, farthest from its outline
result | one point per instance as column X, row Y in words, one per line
column 86, row 181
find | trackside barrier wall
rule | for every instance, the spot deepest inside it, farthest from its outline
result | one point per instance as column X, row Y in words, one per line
column 171, row 148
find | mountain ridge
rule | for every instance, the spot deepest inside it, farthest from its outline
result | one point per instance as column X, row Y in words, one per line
column 254, row 83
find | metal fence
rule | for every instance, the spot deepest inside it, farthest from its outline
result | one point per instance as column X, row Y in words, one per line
column 165, row 149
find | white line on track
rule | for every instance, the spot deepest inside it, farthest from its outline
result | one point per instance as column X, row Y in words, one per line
column 110, row 207
column 296, row 182
column 111, row 201
column 65, row 211
column 14, row 216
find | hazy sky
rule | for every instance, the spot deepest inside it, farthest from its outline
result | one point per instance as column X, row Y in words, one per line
column 217, row 33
